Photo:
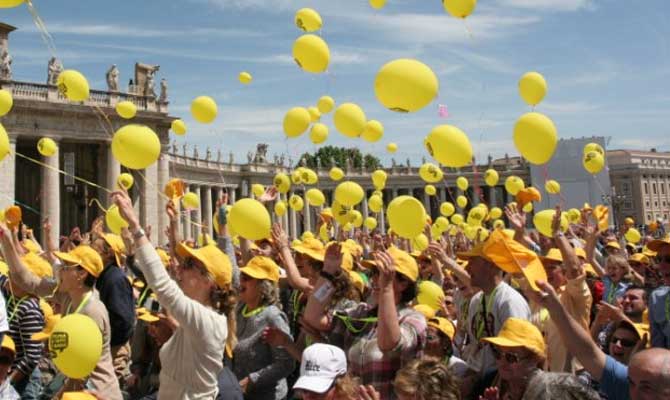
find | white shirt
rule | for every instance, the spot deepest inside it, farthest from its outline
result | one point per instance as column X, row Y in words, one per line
column 4, row 323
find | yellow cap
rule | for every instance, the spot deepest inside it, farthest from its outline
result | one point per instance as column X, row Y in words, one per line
column 47, row 311
column 31, row 246
column 261, row 267
column 4, row 268
column 589, row 270
column 37, row 265
column 312, row 248
column 580, row 252
column 147, row 317
column 356, row 280
column 426, row 310
column 165, row 258
column 85, row 257
column 116, row 244
column 354, row 248
column 614, row 245
column 517, row 332
column 443, row 325
column 658, row 244
column 648, row 253
column 49, row 325
column 629, row 221
column 553, row 255
column 642, row 330
column 639, row 257
column 215, row 261
column 77, row 396
column 8, row 343
column 327, row 214
column 404, row 263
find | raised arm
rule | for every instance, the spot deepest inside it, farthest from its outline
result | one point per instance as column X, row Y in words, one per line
column 224, row 241
column 573, row 268
column 294, row 278
column 173, row 232
column 50, row 246
column 388, row 325
column 591, row 236
column 315, row 311
column 437, row 252
column 517, row 221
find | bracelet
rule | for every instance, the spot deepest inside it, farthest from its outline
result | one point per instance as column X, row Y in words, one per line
column 138, row 234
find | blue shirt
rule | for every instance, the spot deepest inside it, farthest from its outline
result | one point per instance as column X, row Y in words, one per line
column 659, row 315
column 614, row 381
column 612, row 291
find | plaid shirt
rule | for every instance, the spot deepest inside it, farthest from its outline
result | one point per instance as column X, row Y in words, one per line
column 365, row 358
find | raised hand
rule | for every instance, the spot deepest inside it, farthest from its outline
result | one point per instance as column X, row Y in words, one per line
column 490, row 393
column 386, row 268
column 279, row 237
column 556, row 222
column 222, row 201
column 332, row 262
column 171, row 211
column 125, row 205
column 270, row 194
column 516, row 217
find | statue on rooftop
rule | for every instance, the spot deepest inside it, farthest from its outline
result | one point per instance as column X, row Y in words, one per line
column 164, row 89
column 5, row 65
column 112, row 76
column 53, row 70
column 149, row 89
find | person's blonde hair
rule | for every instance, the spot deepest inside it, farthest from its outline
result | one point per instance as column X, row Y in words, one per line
column 621, row 262
column 346, row 387
column 427, row 378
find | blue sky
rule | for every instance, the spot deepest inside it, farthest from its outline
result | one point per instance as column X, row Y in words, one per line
column 607, row 63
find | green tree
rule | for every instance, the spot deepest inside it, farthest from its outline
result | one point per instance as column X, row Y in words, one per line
column 340, row 155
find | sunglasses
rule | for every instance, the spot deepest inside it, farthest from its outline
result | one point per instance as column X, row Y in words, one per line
column 510, row 358
column 623, row 342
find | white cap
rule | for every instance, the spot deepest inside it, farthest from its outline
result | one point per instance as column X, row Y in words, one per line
column 321, row 364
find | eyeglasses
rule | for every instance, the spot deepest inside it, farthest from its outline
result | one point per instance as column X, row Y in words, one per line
column 623, row 342
column 66, row 267
column 510, row 358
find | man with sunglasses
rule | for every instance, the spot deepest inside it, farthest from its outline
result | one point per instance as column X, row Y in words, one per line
column 659, row 302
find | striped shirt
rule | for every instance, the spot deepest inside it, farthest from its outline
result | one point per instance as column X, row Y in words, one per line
column 25, row 318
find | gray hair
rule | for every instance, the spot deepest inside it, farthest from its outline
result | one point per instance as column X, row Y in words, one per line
column 552, row 385
column 268, row 291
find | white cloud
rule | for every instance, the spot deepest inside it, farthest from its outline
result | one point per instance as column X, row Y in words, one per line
column 550, row 5
column 576, row 107
column 111, row 30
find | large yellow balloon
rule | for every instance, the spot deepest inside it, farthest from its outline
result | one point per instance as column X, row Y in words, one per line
column 280, row 208
column 296, row 121
column 341, row 213
column 336, row 174
column 114, row 221
column 75, row 345
column 319, row 133
column 311, row 53
column 552, row 187
column 406, row 85
column 462, row 201
column 178, row 127
column 10, row 3
column 431, row 173
column 594, row 147
column 513, row 184
column 250, row 219
column 296, row 176
column 633, row 235
column 47, row 147
column 282, row 182
column 136, row 146
column 204, row 109
column 73, row 85
column 375, row 203
column 391, row 148
column 370, row 223
column 406, row 216
column 594, row 162
column 459, row 8
column 430, row 294
column 535, row 137
column 457, row 219
column 373, row 131
column 349, row 193
column 126, row 109
column 125, row 181
column 315, row 197
column 449, row 145
column 308, row 20
column 191, row 201
column 325, row 104
column 542, row 221
column 379, row 179
column 462, row 183
column 349, row 120
column 257, row 189
column 442, row 224
column 296, row 203
column 532, row 88
column 447, row 209
column 6, row 102
column 245, row 78
column 377, row 4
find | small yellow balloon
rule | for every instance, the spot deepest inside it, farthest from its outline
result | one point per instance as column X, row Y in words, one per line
column 459, row 8
column 204, row 109
column 499, row 224
column 491, row 177
column 126, row 109
column 449, row 145
column 495, row 213
column 375, row 203
column 594, row 162
column 552, row 187
column 574, row 215
column 535, row 137
column 282, row 182
column 379, row 179
column 447, row 209
column 125, row 181
column 296, row 203
column 6, row 102
column 47, row 147
column 462, row 183
column 513, row 184
column 296, row 176
column 370, row 223
column 325, row 104
column 349, row 120
column 442, row 224
column 136, row 146
column 308, row 20
column 308, row 176
column 311, row 53
column 319, row 133
column 457, row 219
column 594, row 147
column 431, row 173
column 373, row 131
column 543, row 219
column 10, row 3
column 75, row 345
column 406, row 216
column 73, row 85
column 349, row 193
column 178, row 127
column 114, row 221
column 250, row 219
column 336, row 174
column 406, row 85
column 430, row 190
column 257, row 189
column 296, row 121
column 462, row 201
column 377, row 4
column 356, row 218
column 315, row 197
column 280, row 208
column 191, row 201
column 420, row 242
column 391, row 148
column 532, row 88
column 527, row 208
column 633, row 236
column 245, row 78
column 314, row 114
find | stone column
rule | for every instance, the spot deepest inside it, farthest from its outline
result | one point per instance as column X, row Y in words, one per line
column 158, row 236
column 197, row 213
column 7, row 177
column 207, row 209
column 306, row 212
column 293, row 222
column 443, row 194
column 364, row 209
column 148, row 199
column 50, row 205
column 426, row 203
column 232, row 195
column 492, row 196
column 284, row 218
column 185, row 218
column 113, row 172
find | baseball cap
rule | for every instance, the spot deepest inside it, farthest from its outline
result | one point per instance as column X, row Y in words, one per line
column 8, row 343
column 614, row 245
column 553, row 255
column 261, row 267
column 49, row 325
column 78, row 396
column 404, row 263
column 85, row 257
column 443, row 325
column 312, row 248
column 425, row 310
column 517, row 332
column 116, row 244
column 639, row 257
column 321, row 364
column 215, row 261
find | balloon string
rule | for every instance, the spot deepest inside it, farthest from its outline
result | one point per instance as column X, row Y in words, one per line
column 104, row 116
column 41, row 27
column 96, row 201
column 23, row 205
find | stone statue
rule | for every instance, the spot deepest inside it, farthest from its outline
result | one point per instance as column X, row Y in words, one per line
column 113, row 78
column 393, row 163
column 5, row 65
column 290, row 161
column 318, row 163
column 302, row 161
column 208, row 155
column 408, row 164
column 53, row 70
column 195, row 151
column 490, row 160
column 423, row 160
column 276, row 159
column 150, row 85
column 184, row 148
column 164, row 88
column 282, row 159
column 261, row 153
column 174, row 148
column 332, row 162
column 507, row 166
column 218, row 156
column 250, row 157
column 231, row 158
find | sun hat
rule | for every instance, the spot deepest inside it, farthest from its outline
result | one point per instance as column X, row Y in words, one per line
column 37, row 265
column 261, row 267
column 321, row 364
column 116, row 244
column 8, row 343
column 83, row 256
column 553, row 256
column 517, row 332
column 215, row 261
column 312, row 248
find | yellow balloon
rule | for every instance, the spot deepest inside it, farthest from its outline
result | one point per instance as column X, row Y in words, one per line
column 314, row 114
column 459, row 8
column 319, row 133
column 75, row 345
column 126, row 109
column 594, row 162
column 250, row 219
column 462, row 183
column 204, row 109
column 191, row 201
column 73, row 85
column 370, row 223
column 442, row 224
column 282, row 182
column 447, row 209
column 10, row 3
column 296, row 176
column 373, row 131
column 136, row 146
column 4, row 143
column 594, row 147
column 349, row 193
column 552, row 187
column 375, row 203
column 308, row 176
column 491, row 177
column 532, row 88
column 462, row 201
column 430, row 190
column 349, row 120
column 356, row 218
column 6, row 102
column 178, row 127
column 315, row 197
column 406, row 85
column 257, row 189
column 420, row 242
column 280, row 208
column 406, row 216
column 535, row 137
column 125, row 181
column 542, row 221
column 46, row 147
column 457, row 219
column 431, row 173
column 308, row 20
column 449, row 145
column 499, row 224
column 336, row 174
column 325, row 104
column 633, row 235
column 574, row 215
column 391, row 148
column 311, row 53
column 379, row 193
column 495, row 213
column 296, row 121
column 513, row 184
column 114, row 221
column 379, row 179
column 296, row 203
column 527, row 208
column 245, row 78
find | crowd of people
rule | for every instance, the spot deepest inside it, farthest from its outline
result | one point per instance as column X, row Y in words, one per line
column 363, row 315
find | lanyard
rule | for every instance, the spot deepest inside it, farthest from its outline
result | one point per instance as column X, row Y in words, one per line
column 482, row 317
column 15, row 309
column 251, row 313
column 347, row 321
column 297, row 305
column 81, row 305
column 143, row 295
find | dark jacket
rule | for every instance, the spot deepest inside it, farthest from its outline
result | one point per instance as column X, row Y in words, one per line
column 117, row 295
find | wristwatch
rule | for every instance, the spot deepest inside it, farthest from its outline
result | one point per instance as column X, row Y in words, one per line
column 138, row 234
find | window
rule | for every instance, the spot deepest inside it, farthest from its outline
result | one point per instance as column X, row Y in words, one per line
column 648, row 217
column 627, row 205
column 662, row 188
column 646, row 203
column 646, row 188
column 656, row 204
column 653, row 188
column 625, row 188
